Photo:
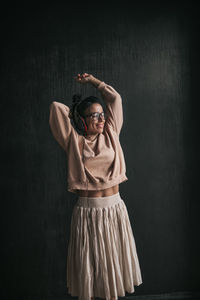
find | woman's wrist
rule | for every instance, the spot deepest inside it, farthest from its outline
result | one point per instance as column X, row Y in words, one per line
column 94, row 81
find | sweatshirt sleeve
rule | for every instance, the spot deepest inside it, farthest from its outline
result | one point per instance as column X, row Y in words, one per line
column 113, row 102
column 60, row 124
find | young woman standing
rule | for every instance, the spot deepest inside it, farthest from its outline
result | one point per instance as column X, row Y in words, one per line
column 102, row 258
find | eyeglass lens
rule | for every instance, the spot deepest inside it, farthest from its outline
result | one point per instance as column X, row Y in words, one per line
column 97, row 115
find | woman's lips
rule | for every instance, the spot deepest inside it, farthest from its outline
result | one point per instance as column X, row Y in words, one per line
column 100, row 125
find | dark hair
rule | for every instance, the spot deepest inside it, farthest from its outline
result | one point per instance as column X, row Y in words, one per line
column 79, row 106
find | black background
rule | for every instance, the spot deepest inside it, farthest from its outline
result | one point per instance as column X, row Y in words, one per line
column 149, row 53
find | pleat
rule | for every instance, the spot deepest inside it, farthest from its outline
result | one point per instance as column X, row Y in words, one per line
column 102, row 258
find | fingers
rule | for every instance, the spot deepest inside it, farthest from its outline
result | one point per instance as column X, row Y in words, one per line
column 80, row 77
column 83, row 75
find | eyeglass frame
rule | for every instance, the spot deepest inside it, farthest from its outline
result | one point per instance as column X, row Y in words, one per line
column 104, row 117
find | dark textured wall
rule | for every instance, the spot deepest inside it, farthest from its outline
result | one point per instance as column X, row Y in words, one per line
column 149, row 55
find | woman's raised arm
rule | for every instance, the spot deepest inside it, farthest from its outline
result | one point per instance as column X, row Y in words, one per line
column 59, row 122
column 111, row 97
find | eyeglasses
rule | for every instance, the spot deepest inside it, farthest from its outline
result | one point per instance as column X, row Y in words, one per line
column 95, row 116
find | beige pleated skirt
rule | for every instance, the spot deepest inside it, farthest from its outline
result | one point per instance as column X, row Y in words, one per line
column 102, row 258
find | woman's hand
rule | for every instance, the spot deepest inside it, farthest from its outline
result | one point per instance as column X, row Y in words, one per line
column 84, row 78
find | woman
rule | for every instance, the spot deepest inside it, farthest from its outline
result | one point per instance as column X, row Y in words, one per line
column 102, row 259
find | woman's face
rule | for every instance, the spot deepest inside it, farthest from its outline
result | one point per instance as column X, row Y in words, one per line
column 95, row 125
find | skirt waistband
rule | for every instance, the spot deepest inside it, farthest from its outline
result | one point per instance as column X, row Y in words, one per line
column 98, row 201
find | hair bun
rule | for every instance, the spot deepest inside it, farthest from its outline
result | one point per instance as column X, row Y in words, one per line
column 76, row 98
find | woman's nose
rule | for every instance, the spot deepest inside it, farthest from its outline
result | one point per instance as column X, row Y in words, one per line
column 102, row 118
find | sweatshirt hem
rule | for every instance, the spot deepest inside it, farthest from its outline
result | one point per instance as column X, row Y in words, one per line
column 73, row 187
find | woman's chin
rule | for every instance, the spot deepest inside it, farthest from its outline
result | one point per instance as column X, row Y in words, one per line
column 99, row 130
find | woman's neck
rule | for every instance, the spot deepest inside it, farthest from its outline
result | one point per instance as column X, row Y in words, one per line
column 91, row 137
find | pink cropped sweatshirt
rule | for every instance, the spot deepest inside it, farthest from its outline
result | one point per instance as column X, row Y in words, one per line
column 97, row 164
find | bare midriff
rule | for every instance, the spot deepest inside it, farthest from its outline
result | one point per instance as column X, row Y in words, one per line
column 101, row 193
